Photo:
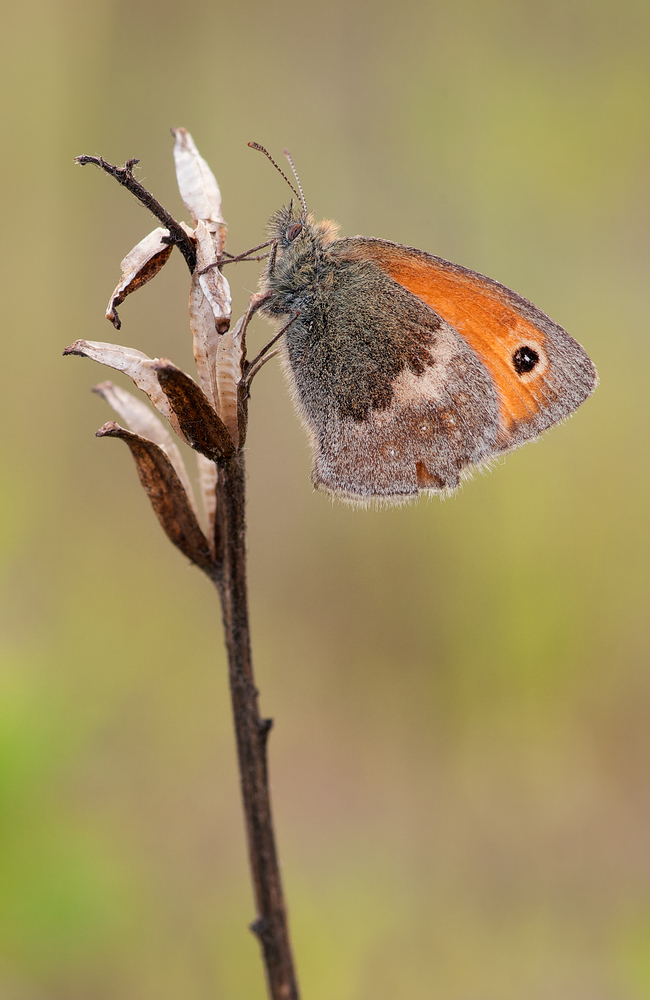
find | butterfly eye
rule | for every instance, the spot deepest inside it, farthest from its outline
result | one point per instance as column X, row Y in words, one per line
column 524, row 360
column 293, row 231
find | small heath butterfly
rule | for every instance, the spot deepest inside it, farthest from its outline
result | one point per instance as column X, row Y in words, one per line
column 408, row 371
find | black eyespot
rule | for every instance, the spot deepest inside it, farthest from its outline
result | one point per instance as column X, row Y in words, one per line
column 524, row 359
column 293, row 231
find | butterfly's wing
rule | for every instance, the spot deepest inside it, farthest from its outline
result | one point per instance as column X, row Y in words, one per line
column 540, row 373
column 408, row 370
column 394, row 399
column 438, row 422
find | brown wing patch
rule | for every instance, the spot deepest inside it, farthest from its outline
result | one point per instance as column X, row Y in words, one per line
column 438, row 425
column 427, row 480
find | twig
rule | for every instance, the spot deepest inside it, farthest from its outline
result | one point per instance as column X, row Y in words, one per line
column 124, row 175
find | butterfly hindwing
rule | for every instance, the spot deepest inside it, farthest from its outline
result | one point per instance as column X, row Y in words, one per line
column 394, row 399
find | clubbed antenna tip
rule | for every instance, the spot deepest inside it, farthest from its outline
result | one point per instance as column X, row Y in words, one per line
column 301, row 197
column 295, row 174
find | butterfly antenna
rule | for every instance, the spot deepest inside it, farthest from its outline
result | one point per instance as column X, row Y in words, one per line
column 295, row 174
column 256, row 145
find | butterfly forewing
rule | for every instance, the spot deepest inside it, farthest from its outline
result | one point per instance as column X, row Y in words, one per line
column 540, row 372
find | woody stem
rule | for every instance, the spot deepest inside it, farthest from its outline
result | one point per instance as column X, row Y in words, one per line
column 229, row 576
column 251, row 732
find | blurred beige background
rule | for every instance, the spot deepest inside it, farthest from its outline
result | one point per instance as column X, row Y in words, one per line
column 461, row 761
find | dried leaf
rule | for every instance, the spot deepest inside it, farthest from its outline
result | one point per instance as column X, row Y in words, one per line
column 213, row 283
column 138, row 267
column 210, row 308
column 208, row 490
column 229, row 357
column 141, row 420
column 167, row 496
column 205, row 339
column 202, row 428
column 133, row 363
column 197, row 184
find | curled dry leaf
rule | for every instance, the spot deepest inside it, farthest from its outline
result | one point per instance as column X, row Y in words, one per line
column 142, row 421
column 201, row 427
column 138, row 267
column 197, row 184
column 167, row 496
column 133, row 363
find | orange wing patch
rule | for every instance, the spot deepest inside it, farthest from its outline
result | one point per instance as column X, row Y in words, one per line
column 481, row 314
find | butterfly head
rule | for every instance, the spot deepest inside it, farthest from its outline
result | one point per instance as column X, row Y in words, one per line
column 297, row 238
column 298, row 231
column 296, row 259
column 290, row 225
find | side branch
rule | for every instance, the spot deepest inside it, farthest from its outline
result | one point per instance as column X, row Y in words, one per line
column 124, row 175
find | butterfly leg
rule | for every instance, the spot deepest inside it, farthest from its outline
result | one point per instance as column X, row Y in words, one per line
column 228, row 258
column 252, row 367
column 247, row 254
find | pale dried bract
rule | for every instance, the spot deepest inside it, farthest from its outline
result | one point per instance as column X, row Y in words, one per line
column 204, row 339
column 138, row 267
column 210, row 308
column 197, row 184
column 215, row 287
column 133, row 363
column 208, row 491
column 229, row 357
column 142, row 421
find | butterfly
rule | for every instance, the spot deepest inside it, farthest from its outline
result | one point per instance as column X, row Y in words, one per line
column 409, row 371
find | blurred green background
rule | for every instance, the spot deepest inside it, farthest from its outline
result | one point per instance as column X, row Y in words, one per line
column 460, row 764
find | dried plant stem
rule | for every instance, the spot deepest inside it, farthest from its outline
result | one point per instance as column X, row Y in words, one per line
column 226, row 566
column 251, row 733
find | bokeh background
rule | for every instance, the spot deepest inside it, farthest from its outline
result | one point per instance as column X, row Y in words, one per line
column 460, row 764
